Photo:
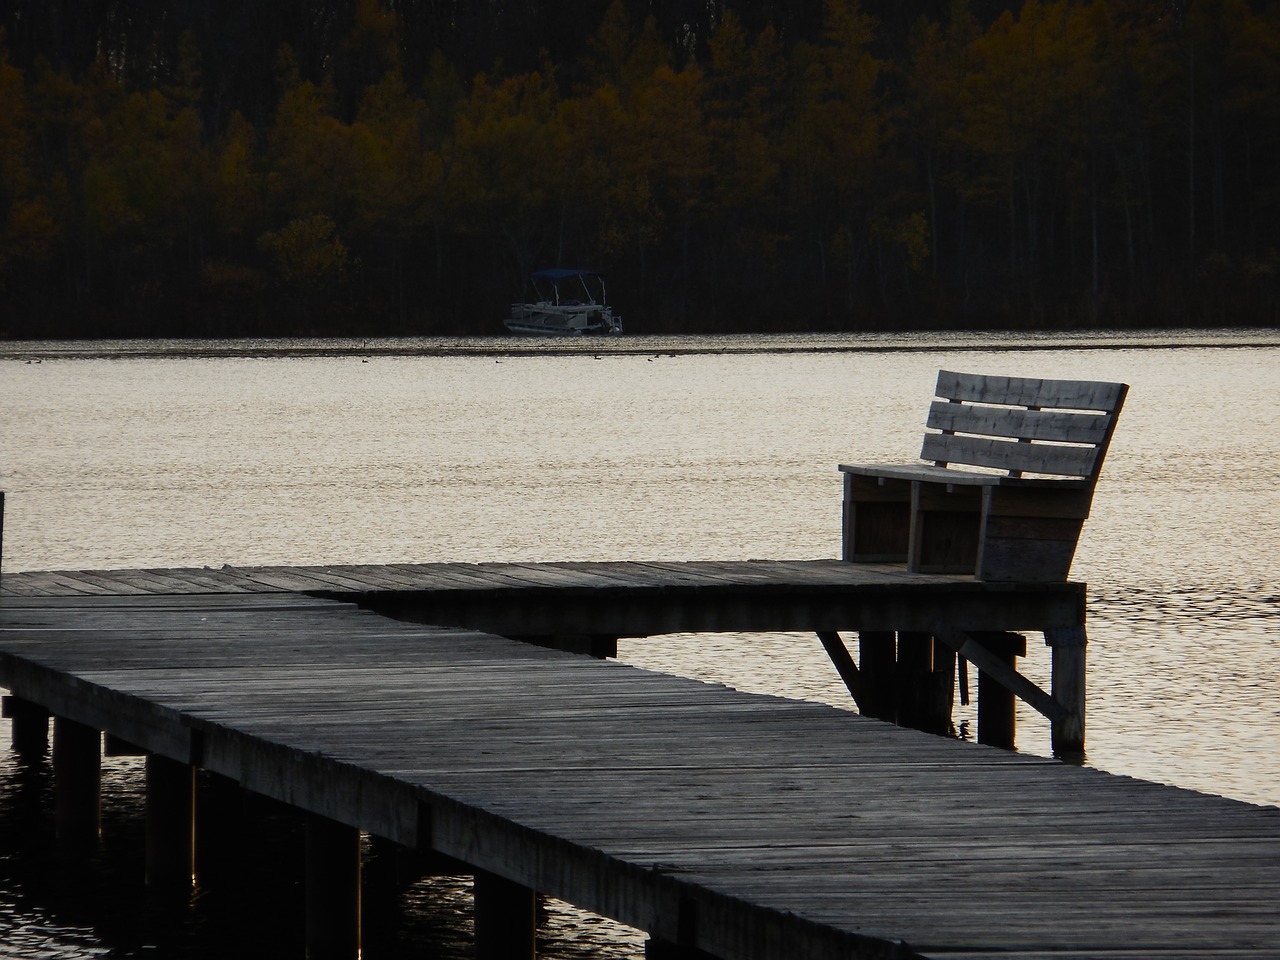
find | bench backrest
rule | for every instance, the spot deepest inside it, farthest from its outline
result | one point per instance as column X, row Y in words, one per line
column 1054, row 427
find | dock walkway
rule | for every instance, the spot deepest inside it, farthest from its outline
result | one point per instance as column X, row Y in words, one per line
column 620, row 598
column 728, row 824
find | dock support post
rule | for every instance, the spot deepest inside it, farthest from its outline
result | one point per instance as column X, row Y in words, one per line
column 332, row 890
column 170, row 841
column 876, row 663
column 505, row 919
column 1068, row 648
column 997, row 704
column 29, row 727
column 941, row 699
column 913, row 679
column 77, row 780
column 219, row 832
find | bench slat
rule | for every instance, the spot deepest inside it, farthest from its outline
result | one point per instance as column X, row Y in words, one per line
column 1010, row 455
column 928, row 473
column 1020, row 424
column 1026, row 392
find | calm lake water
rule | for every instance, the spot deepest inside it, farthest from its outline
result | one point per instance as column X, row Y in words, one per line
column 195, row 454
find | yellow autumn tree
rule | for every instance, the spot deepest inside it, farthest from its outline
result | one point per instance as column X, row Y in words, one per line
column 509, row 175
column 743, row 107
column 1028, row 109
column 836, row 142
column 312, row 156
column 27, row 230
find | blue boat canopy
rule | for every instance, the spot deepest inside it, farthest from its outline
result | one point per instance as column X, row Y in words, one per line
column 562, row 273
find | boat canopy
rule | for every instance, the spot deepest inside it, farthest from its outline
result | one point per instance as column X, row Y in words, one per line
column 561, row 273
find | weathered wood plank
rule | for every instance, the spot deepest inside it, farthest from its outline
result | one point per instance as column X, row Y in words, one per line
column 1044, row 458
column 1045, row 425
column 1029, row 392
column 928, row 473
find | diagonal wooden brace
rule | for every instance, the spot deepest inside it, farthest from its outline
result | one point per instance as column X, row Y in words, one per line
column 965, row 646
column 843, row 660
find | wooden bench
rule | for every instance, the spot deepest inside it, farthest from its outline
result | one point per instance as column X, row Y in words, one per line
column 1029, row 453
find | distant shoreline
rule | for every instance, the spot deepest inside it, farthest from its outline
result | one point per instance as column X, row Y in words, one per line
column 659, row 345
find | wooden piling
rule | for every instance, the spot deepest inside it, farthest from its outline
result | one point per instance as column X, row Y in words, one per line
column 913, row 678
column 170, row 831
column 997, row 704
column 77, row 778
column 941, row 694
column 28, row 726
column 505, row 919
column 220, row 824
column 1068, row 688
column 877, row 661
column 332, row 890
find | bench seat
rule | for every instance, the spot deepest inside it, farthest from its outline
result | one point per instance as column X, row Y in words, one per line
column 1003, row 486
column 965, row 478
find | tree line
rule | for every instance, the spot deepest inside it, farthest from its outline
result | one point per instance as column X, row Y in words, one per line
column 367, row 167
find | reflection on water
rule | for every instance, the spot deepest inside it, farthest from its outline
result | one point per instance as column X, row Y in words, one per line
column 366, row 453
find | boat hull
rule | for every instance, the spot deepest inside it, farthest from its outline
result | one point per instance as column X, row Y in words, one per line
column 549, row 320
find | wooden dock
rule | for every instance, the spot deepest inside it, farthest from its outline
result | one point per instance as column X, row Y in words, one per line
column 725, row 824
column 623, row 598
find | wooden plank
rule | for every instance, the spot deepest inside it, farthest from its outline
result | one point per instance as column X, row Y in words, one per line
column 1025, row 559
column 203, row 580
column 284, row 579
column 437, row 576
column 929, row 473
column 380, row 576
column 1004, row 501
column 1028, row 392
column 117, row 583
column 56, row 582
column 1043, row 458
column 1046, row 425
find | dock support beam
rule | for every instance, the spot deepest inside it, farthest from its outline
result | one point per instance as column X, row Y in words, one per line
column 77, row 779
column 918, row 701
column 1068, row 688
column 332, row 890
column 170, row 842
column 505, row 919
column 905, row 678
column 220, row 828
column 877, row 660
column 997, row 704
column 29, row 727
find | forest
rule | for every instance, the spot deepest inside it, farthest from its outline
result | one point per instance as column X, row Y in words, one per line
column 398, row 167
